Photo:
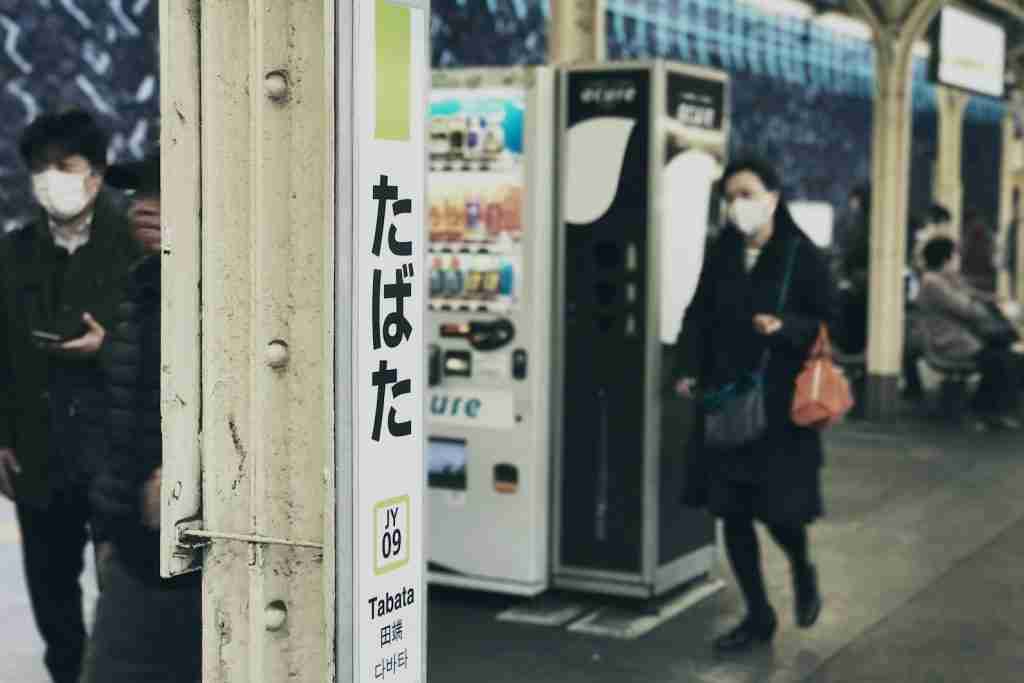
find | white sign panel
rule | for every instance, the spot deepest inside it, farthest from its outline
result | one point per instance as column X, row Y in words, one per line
column 389, row 285
column 816, row 220
column 972, row 52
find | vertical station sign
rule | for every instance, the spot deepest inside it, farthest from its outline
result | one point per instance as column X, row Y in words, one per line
column 390, row 79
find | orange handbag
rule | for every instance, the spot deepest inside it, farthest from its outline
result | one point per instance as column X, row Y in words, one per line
column 823, row 394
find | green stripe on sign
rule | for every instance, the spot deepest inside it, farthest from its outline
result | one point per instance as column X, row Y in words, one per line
column 394, row 59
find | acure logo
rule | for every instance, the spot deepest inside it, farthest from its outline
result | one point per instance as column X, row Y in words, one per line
column 608, row 94
column 455, row 406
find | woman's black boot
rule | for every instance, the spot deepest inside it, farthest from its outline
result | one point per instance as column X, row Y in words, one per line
column 755, row 630
column 808, row 599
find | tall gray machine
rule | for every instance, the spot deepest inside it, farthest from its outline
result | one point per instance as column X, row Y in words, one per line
column 642, row 144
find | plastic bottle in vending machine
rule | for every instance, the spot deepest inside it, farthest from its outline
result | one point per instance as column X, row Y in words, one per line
column 492, row 278
column 457, row 137
column 474, row 217
column 436, row 218
column 474, row 138
column 474, row 277
column 494, row 138
column 493, row 214
column 507, row 279
column 436, row 277
column 513, row 211
column 455, row 216
column 456, row 278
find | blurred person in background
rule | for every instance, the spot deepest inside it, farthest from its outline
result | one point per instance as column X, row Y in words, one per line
column 733, row 320
column 978, row 253
column 58, row 285
column 938, row 222
column 963, row 324
column 148, row 630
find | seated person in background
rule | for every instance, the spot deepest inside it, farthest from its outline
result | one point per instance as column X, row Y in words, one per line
column 938, row 223
column 954, row 319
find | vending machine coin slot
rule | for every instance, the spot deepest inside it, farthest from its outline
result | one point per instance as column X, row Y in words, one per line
column 519, row 364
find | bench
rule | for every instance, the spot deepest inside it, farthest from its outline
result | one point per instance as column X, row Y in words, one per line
column 953, row 391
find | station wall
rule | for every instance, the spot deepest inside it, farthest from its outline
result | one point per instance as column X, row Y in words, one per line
column 802, row 91
column 54, row 54
column 803, row 95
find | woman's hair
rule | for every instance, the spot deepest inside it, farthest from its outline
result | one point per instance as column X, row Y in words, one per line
column 938, row 252
column 762, row 169
column 772, row 182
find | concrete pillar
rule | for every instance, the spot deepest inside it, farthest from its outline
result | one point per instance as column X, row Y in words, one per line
column 577, row 31
column 947, row 186
column 890, row 189
column 257, row 249
column 1006, row 214
column 896, row 26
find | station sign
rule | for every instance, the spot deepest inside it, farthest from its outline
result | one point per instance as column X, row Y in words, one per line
column 389, row 87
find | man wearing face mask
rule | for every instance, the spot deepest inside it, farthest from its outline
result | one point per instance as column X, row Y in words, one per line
column 59, row 279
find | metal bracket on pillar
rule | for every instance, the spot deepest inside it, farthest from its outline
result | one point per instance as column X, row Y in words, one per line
column 203, row 537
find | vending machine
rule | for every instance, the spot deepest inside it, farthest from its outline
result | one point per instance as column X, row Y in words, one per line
column 642, row 145
column 491, row 257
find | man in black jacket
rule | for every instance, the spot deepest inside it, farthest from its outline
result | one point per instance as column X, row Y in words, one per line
column 147, row 629
column 58, row 281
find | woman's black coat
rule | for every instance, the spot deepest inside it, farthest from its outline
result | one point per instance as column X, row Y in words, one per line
column 718, row 344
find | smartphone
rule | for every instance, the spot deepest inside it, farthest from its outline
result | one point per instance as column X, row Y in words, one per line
column 47, row 337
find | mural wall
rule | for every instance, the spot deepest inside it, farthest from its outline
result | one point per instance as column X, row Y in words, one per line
column 802, row 93
column 55, row 54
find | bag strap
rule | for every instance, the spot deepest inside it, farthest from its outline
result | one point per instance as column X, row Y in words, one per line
column 783, row 295
column 787, row 279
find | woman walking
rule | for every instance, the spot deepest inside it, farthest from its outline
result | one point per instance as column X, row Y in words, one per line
column 764, row 293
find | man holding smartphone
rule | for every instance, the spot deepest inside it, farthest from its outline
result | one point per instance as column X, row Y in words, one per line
column 59, row 282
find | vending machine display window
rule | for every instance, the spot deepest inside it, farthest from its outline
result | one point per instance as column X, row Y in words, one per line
column 477, row 198
column 446, row 464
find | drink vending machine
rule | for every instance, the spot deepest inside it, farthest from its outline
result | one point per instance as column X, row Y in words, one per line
column 491, row 252
column 642, row 144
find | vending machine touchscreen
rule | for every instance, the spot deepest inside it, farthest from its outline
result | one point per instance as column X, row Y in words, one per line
column 492, row 139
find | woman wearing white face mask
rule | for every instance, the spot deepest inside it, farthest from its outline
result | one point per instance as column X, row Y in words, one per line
column 763, row 294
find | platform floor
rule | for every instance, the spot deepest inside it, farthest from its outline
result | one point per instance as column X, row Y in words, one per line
column 920, row 557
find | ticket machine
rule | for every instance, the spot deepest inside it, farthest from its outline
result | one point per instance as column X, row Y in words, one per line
column 491, row 257
column 641, row 146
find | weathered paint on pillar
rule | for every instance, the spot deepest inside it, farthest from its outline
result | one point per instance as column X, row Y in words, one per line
column 890, row 175
column 577, row 31
column 265, row 245
column 896, row 26
column 948, row 188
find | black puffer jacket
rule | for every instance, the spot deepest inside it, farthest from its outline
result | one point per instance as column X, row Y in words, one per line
column 131, row 359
